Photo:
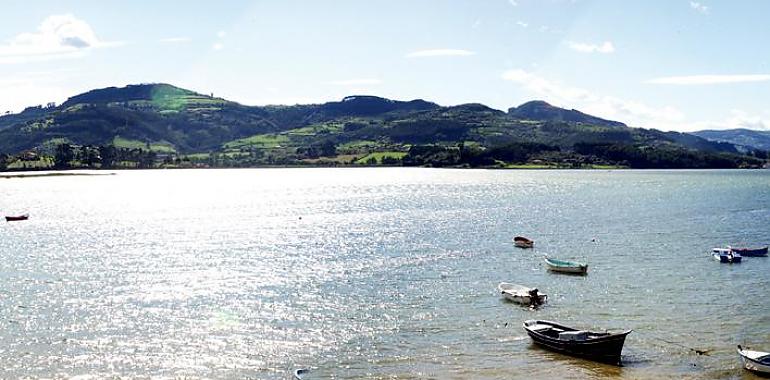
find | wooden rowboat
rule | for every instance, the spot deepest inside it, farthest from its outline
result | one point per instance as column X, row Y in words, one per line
column 599, row 346
column 564, row 266
column 16, row 218
column 755, row 361
column 522, row 242
column 521, row 294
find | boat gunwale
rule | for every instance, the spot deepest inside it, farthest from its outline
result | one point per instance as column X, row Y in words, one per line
column 606, row 349
column 565, row 263
column 601, row 339
column 742, row 352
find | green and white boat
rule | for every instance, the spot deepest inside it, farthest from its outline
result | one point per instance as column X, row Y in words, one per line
column 565, row 266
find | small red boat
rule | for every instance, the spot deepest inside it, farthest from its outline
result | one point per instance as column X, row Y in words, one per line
column 522, row 242
column 16, row 218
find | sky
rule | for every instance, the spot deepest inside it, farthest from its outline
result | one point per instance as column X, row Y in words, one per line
column 679, row 65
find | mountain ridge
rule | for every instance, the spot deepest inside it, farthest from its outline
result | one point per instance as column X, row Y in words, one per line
column 171, row 120
column 744, row 138
column 541, row 110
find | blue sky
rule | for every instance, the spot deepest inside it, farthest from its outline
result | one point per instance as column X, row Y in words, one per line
column 671, row 65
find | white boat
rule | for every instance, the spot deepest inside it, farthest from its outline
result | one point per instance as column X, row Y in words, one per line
column 726, row 255
column 565, row 266
column 755, row 361
column 521, row 294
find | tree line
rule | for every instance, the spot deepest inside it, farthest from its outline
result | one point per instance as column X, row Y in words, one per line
column 582, row 154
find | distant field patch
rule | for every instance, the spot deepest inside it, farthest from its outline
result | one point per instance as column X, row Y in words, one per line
column 378, row 156
column 120, row 142
column 197, row 156
column 259, row 141
column 531, row 166
column 42, row 163
column 358, row 144
column 606, row 167
column 340, row 159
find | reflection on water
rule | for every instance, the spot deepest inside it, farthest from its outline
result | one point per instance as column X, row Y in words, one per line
column 375, row 273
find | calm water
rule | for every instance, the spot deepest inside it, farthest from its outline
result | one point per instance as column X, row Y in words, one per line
column 375, row 273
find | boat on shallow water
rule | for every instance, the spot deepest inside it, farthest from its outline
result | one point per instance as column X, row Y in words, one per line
column 755, row 361
column 299, row 373
column 599, row 346
column 521, row 294
column 750, row 252
column 726, row 255
column 565, row 266
column 522, row 242
column 16, row 218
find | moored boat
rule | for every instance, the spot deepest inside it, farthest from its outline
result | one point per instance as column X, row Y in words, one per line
column 726, row 255
column 299, row 373
column 599, row 346
column 755, row 361
column 522, row 242
column 521, row 294
column 750, row 252
column 565, row 266
column 16, row 218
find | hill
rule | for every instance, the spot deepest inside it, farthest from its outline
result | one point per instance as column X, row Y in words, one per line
column 540, row 110
column 167, row 126
column 745, row 139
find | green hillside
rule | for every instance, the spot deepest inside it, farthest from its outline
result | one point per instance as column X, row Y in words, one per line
column 163, row 125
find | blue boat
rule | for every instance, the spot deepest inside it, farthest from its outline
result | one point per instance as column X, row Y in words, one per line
column 726, row 255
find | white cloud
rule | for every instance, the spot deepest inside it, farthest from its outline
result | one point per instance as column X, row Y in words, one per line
column 58, row 36
column 522, row 24
column 710, row 79
column 513, row 2
column 21, row 90
column 355, row 82
column 278, row 100
column 742, row 119
column 737, row 119
column 605, row 47
column 173, row 40
column 631, row 112
column 440, row 53
column 702, row 8
column 219, row 45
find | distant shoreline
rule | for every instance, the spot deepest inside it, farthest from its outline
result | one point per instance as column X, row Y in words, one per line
column 108, row 172
column 33, row 174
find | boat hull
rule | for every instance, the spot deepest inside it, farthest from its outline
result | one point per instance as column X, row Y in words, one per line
column 727, row 259
column 751, row 252
column 520, row 294
column 606, row 349
column 522, row 242
column 16, row 218
column 523, row 300
column 753, row 365
column 566, row 267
